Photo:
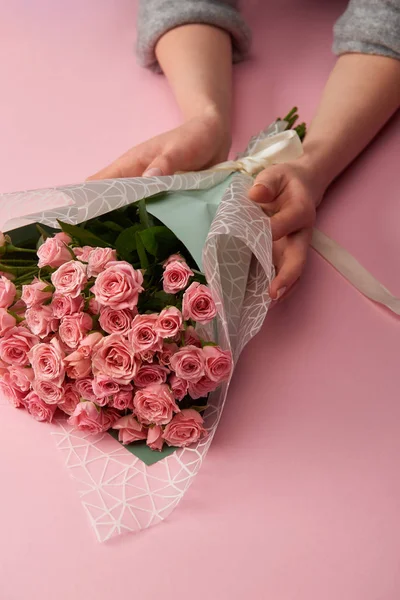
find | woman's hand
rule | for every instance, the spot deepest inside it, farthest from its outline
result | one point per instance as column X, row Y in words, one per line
column 197, row 144
column 289, row 195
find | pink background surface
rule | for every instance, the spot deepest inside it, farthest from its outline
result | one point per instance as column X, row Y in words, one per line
column 299, row 496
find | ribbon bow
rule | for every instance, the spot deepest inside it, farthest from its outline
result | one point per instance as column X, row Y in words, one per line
column 278, row 148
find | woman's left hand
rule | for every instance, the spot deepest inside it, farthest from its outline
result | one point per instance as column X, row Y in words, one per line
column 289, row 195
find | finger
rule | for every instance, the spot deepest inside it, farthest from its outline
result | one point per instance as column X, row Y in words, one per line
column 267, row 186
column 162, row 165
column 130, row 164
column 288, row 219
column 291, row 263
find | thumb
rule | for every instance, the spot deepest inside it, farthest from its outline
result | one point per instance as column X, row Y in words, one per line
column 267, row 186
column 162, row 165
column 291, row 263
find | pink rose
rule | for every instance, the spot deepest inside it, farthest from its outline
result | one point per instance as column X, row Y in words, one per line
column 109, row 417
column 62, row 238
column 40, row 410
column 123, row 399
column 185, row 428
column 19, row 308
column 34, row 293
column 48, row 362
column 3, row 368
column 83, row 253
column 104, row 386
column 73, row 328
column 89, row 343
column 65, row 305
column 94, row 307
column 78, row 363
column 188, row 363
column 149, row 374
column 147, row 356
column 9, row 276
column 173, row 258
column 53, row 252
column 48, row 391
column 167, row 351
column 70, row 278
column 198, row 304
column 155, row 404
column 143, row 336
column 201, row 388
column 84, row 388
column 178, row 386
column 7, row 321
column 40, row 320
column 191, row 338
column 169, row 322
column 76, row 366
column 114, row 357
column 176, row 276
column 218, row 365
column 130, row 430
column 7, row 292
column 21, row 378
column 10, row 392
column 70, row 399
column 16, row 344
column 86, row 417
column 99, row 259
column 118, row 286
column 155, row 438
column 115, row 321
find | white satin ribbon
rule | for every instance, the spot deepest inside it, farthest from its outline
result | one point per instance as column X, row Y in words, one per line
column 354, row 272
column 279, row 148
column 284, row 147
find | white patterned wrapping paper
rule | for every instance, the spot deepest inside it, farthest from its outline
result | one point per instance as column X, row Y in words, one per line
column 118, row 491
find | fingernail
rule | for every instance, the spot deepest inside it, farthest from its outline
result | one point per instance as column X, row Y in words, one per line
column 260, row 184
column 155, row 172
column 281, row 292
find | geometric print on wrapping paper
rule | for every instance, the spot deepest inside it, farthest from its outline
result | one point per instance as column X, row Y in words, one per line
column 118, row 491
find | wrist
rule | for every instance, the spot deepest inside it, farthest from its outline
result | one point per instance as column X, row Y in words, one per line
column 318, row 168
column 216, row 124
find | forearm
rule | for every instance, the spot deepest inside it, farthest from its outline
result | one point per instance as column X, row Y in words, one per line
column 362, row 93
column 197, row 61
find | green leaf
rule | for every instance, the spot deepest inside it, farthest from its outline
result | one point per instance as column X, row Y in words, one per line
column 155, row 302
column 143, row 214
column 159, row 241
column 48, row 288
column 43, row 233
column 113, row 226
column 83, row 236
column 200, row 409
column 126, row 242
column 144, row 262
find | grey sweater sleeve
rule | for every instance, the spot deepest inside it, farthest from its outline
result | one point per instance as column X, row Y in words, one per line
column 156, row 17
column 369, row 27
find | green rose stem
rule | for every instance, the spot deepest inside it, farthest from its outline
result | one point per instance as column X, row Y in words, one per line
column 25, row 277
column 12, row 248
column 18, row 271
column 19, row 262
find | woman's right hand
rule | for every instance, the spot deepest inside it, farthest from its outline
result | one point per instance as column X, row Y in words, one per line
column 198, row 144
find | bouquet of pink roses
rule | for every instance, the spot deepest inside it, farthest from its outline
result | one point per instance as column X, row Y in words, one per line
column 100, row 323
column 110, row 329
